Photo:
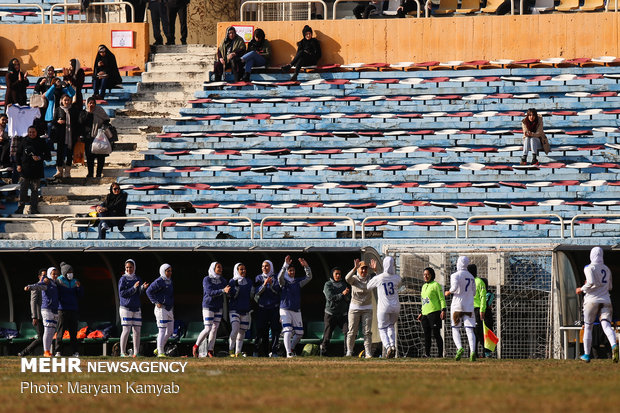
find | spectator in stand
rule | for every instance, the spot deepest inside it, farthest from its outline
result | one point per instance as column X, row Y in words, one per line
column 91, row 120
column 130, row 287
column 49, row 307
column 5, row 142
column 35, row 314
column 159, row 16
column 229, row 55
column 177, row 7
column 532, row 126
column 74, row 76
column 43, row 84
column 161, row 293
column 66, row 130
column 258, row 53
column 31, row 153
column 407, row 6
column 69, row 293
column 16, row 83
column 337, row 298
column 433, row 312
column 105, row 72
column 363, row 9
column 114, row 205
column 308, row 53
column 53, row 97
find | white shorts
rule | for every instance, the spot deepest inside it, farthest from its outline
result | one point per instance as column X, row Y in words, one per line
column 385, row 320
column 165, row 318
column 211, row 317
column 242, row 319
column 468, row 321
column 130, row 318
column 604, row 311
column 291, row 320
column 50, row 319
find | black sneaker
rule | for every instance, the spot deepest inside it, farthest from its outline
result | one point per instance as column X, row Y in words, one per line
column 19, row 210
column 286, row 68
column 294, row 78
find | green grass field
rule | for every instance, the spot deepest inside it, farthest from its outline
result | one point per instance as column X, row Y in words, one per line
column 353, row 385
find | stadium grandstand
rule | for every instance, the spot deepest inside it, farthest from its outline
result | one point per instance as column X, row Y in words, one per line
column 404, row 140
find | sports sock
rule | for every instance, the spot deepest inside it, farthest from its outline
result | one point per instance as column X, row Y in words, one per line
column 125, row 338
column 609, row 332
column 136, row 340
column 391, row 334
column 240, row 337
column 48, row 337
column 234, row 332
column 384, row 337
column 287, row 341
column 213, row 336
column 203, row 334
column 471, row 338
column 295, row 340
column 456, row 336
column 587, row 338
column 161, row 340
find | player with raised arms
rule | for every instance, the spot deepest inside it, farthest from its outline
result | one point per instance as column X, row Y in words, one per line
column 388, row 307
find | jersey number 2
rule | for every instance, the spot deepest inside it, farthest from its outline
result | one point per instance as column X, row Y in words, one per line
column 604, row 279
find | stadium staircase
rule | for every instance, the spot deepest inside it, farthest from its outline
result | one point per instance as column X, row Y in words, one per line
column 140, row 107
column 365, row 142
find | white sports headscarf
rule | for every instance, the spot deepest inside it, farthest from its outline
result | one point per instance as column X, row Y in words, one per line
column 270, row 273
column 133, row 274
column 212, row 273
column 237, row 277
column 49, row 272
column 162, row 270
column 596, row 256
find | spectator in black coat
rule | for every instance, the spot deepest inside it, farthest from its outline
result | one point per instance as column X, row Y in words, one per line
column 308, row 53
column 5, row 142
column 91, row 120
column 31, row 153
column 105, row 72
column 74, row 76
column 66, row 130
column 16, row 83
column 229, row 55
column 114, row 205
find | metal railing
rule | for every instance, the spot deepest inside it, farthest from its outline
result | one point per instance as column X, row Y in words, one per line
column 97, row 3
column 205, row 218
column 572, row 221
column 506, row 216
column 342, row 1
column 306, row 217
column 18, row 219
column 88, row 219
column 263, row 2
column 422, row 217
column 25, row 6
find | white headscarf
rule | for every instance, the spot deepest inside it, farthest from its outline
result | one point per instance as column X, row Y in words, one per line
column 49, row 272
column 270, row 273
column 389, row 268
column 133, row 274
column 462, row 263
column 596, row 256
column 237, row 277
column 162, row 270
column 212, row 273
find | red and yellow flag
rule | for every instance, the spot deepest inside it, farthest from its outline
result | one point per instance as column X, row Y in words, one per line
column 490, row 339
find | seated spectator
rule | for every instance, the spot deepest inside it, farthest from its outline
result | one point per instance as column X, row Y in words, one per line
column 308, row 53
column 114, row 205
column 258, row 53
column 105, row 72
column 363, row 9
column 65, row 132
column 74, row 76
column 5, row 142
column 91, row 120
column 407, row 6
column 31, row 154
column 16, row 83
column 229, row 55
column 532, row 126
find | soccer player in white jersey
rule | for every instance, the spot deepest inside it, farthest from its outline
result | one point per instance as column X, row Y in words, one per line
column 463, row 289
column 597, row 303
column 387, row 284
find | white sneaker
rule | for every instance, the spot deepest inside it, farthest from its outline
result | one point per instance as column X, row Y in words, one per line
column 57, row 354
column 290, row 355
column 76, row 354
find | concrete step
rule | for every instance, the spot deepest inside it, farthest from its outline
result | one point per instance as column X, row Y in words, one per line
column 182, row 49
column 182, row 86
column 192, row 66
column 172, row 94
column 167, row 107
column 170, row 76
column 143, row 121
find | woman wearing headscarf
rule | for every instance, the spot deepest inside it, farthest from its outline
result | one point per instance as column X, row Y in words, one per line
column 130, row 287
column 214, row 289
column 49, row 307
column 105, row 72
column 388, row 306
column 114, row 205
column 91, row 120
column 66, row 131
column 532, row 126
column 360, row 309
column 268, row 314
column 308, row 52
column 45, row 82
column 462, row 290
column 161, row 293
column 259, row 52
column 433, row 312
column 229, row 55
column 240, row 297
column 16, row 83
column 74, row 76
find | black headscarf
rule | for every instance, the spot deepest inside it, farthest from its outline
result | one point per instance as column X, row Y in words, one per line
column 110, row 66
column 116, row 203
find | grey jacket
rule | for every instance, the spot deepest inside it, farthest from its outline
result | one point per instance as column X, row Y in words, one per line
column 35, row 304
column 360, row 295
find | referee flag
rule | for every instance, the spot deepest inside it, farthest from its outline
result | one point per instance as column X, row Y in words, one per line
column 490, row 339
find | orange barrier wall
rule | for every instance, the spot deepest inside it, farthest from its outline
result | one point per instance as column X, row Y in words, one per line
column 448, row 38
column 39, row 45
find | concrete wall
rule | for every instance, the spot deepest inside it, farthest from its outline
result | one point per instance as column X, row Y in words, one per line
column 449, row 38
column 39, row 45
